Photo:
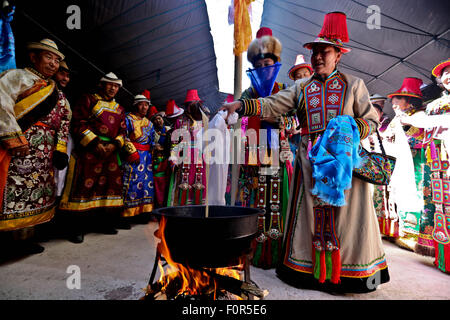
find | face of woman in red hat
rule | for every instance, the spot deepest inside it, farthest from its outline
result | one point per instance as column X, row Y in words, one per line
column 301, row 73
column 324, row 59
column 400, row 103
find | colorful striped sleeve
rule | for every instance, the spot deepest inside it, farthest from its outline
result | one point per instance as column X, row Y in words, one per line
column 366, row 128
column 250, row 107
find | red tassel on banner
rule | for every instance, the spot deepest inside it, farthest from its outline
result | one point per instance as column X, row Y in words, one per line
column 323, row 267
column 336, row 272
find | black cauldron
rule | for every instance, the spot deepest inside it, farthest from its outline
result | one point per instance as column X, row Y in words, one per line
column 219, row 240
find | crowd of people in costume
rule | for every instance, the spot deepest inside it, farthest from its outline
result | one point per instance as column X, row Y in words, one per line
column 92, row 164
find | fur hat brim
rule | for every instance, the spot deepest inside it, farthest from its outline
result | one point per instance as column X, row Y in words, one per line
column 264, row 47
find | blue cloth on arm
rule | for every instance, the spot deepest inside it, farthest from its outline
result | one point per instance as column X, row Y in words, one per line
column 333, row 158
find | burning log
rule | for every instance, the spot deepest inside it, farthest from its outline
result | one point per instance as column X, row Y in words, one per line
column 237, row 287
column 218, row 289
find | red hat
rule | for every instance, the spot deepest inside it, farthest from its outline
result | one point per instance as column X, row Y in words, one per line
column 299, row 63
column 409, row 88
column 152, row 111
column 437, row 71
column 172, row 110
column 146, row 93
column 263, row 31
column 192, row 95
column 334, row 32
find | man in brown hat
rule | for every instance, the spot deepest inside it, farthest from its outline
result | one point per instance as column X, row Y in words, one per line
column 34, row 128
column 346, row 253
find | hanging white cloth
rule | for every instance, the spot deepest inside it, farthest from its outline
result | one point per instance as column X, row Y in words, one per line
column 218, row 156
column 403, row 181
column 60, row 175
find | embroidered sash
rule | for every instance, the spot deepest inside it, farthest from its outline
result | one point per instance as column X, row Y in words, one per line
column 324, row 101
column 35, row 106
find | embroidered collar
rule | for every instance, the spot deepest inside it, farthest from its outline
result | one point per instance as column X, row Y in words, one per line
column 34, row 71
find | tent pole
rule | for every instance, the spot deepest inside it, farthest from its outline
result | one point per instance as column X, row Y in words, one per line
column 236, row 148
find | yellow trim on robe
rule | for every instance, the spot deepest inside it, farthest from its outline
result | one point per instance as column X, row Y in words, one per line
column 27, row 104
column 65, row 204
column 88, row 137
column 137, row 126
column 93, row 204
column 19, row 223
column 69, row 179
column 61, row 146
column 131, row 212
column 101, row 105
column 130, row 148
column 121, row 140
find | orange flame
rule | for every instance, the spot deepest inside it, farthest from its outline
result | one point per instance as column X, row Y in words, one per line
column 194, row 282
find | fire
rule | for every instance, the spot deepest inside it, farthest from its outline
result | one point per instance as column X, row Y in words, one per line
column 194, row 282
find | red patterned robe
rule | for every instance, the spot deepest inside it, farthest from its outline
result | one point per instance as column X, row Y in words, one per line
column 34, row 112
column 92, row 181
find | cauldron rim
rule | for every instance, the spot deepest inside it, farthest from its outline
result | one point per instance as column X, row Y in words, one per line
column 159, row 212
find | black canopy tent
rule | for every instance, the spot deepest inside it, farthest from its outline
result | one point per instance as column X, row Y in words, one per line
column 414, row 35
column 163, row 46
column 166, row 46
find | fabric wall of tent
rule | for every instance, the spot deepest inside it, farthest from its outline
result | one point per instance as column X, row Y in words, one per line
column 413, row 37
column 159, row 45
column 166, row 46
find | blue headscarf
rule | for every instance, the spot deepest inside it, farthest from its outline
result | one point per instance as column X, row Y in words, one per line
column 7, row 49
column 333, row 158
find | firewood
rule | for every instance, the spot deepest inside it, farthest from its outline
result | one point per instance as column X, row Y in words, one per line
column 235, row 286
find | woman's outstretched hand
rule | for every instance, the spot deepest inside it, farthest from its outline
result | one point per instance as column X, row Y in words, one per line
column 231, row 107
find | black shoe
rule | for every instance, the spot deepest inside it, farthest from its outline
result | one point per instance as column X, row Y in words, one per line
column 76, row 238
column 109, row 230
column 31, row 248
column 124, row 225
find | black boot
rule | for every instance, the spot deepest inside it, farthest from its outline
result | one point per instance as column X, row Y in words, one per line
column 76, row 228
column 123, row 224
column 76, row 237
column 27, row 247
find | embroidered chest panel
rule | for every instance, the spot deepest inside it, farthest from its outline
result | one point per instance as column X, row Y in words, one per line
column 324, row 101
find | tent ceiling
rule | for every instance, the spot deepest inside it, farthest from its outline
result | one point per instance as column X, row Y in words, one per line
column 166, row 46
column 414, row 37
